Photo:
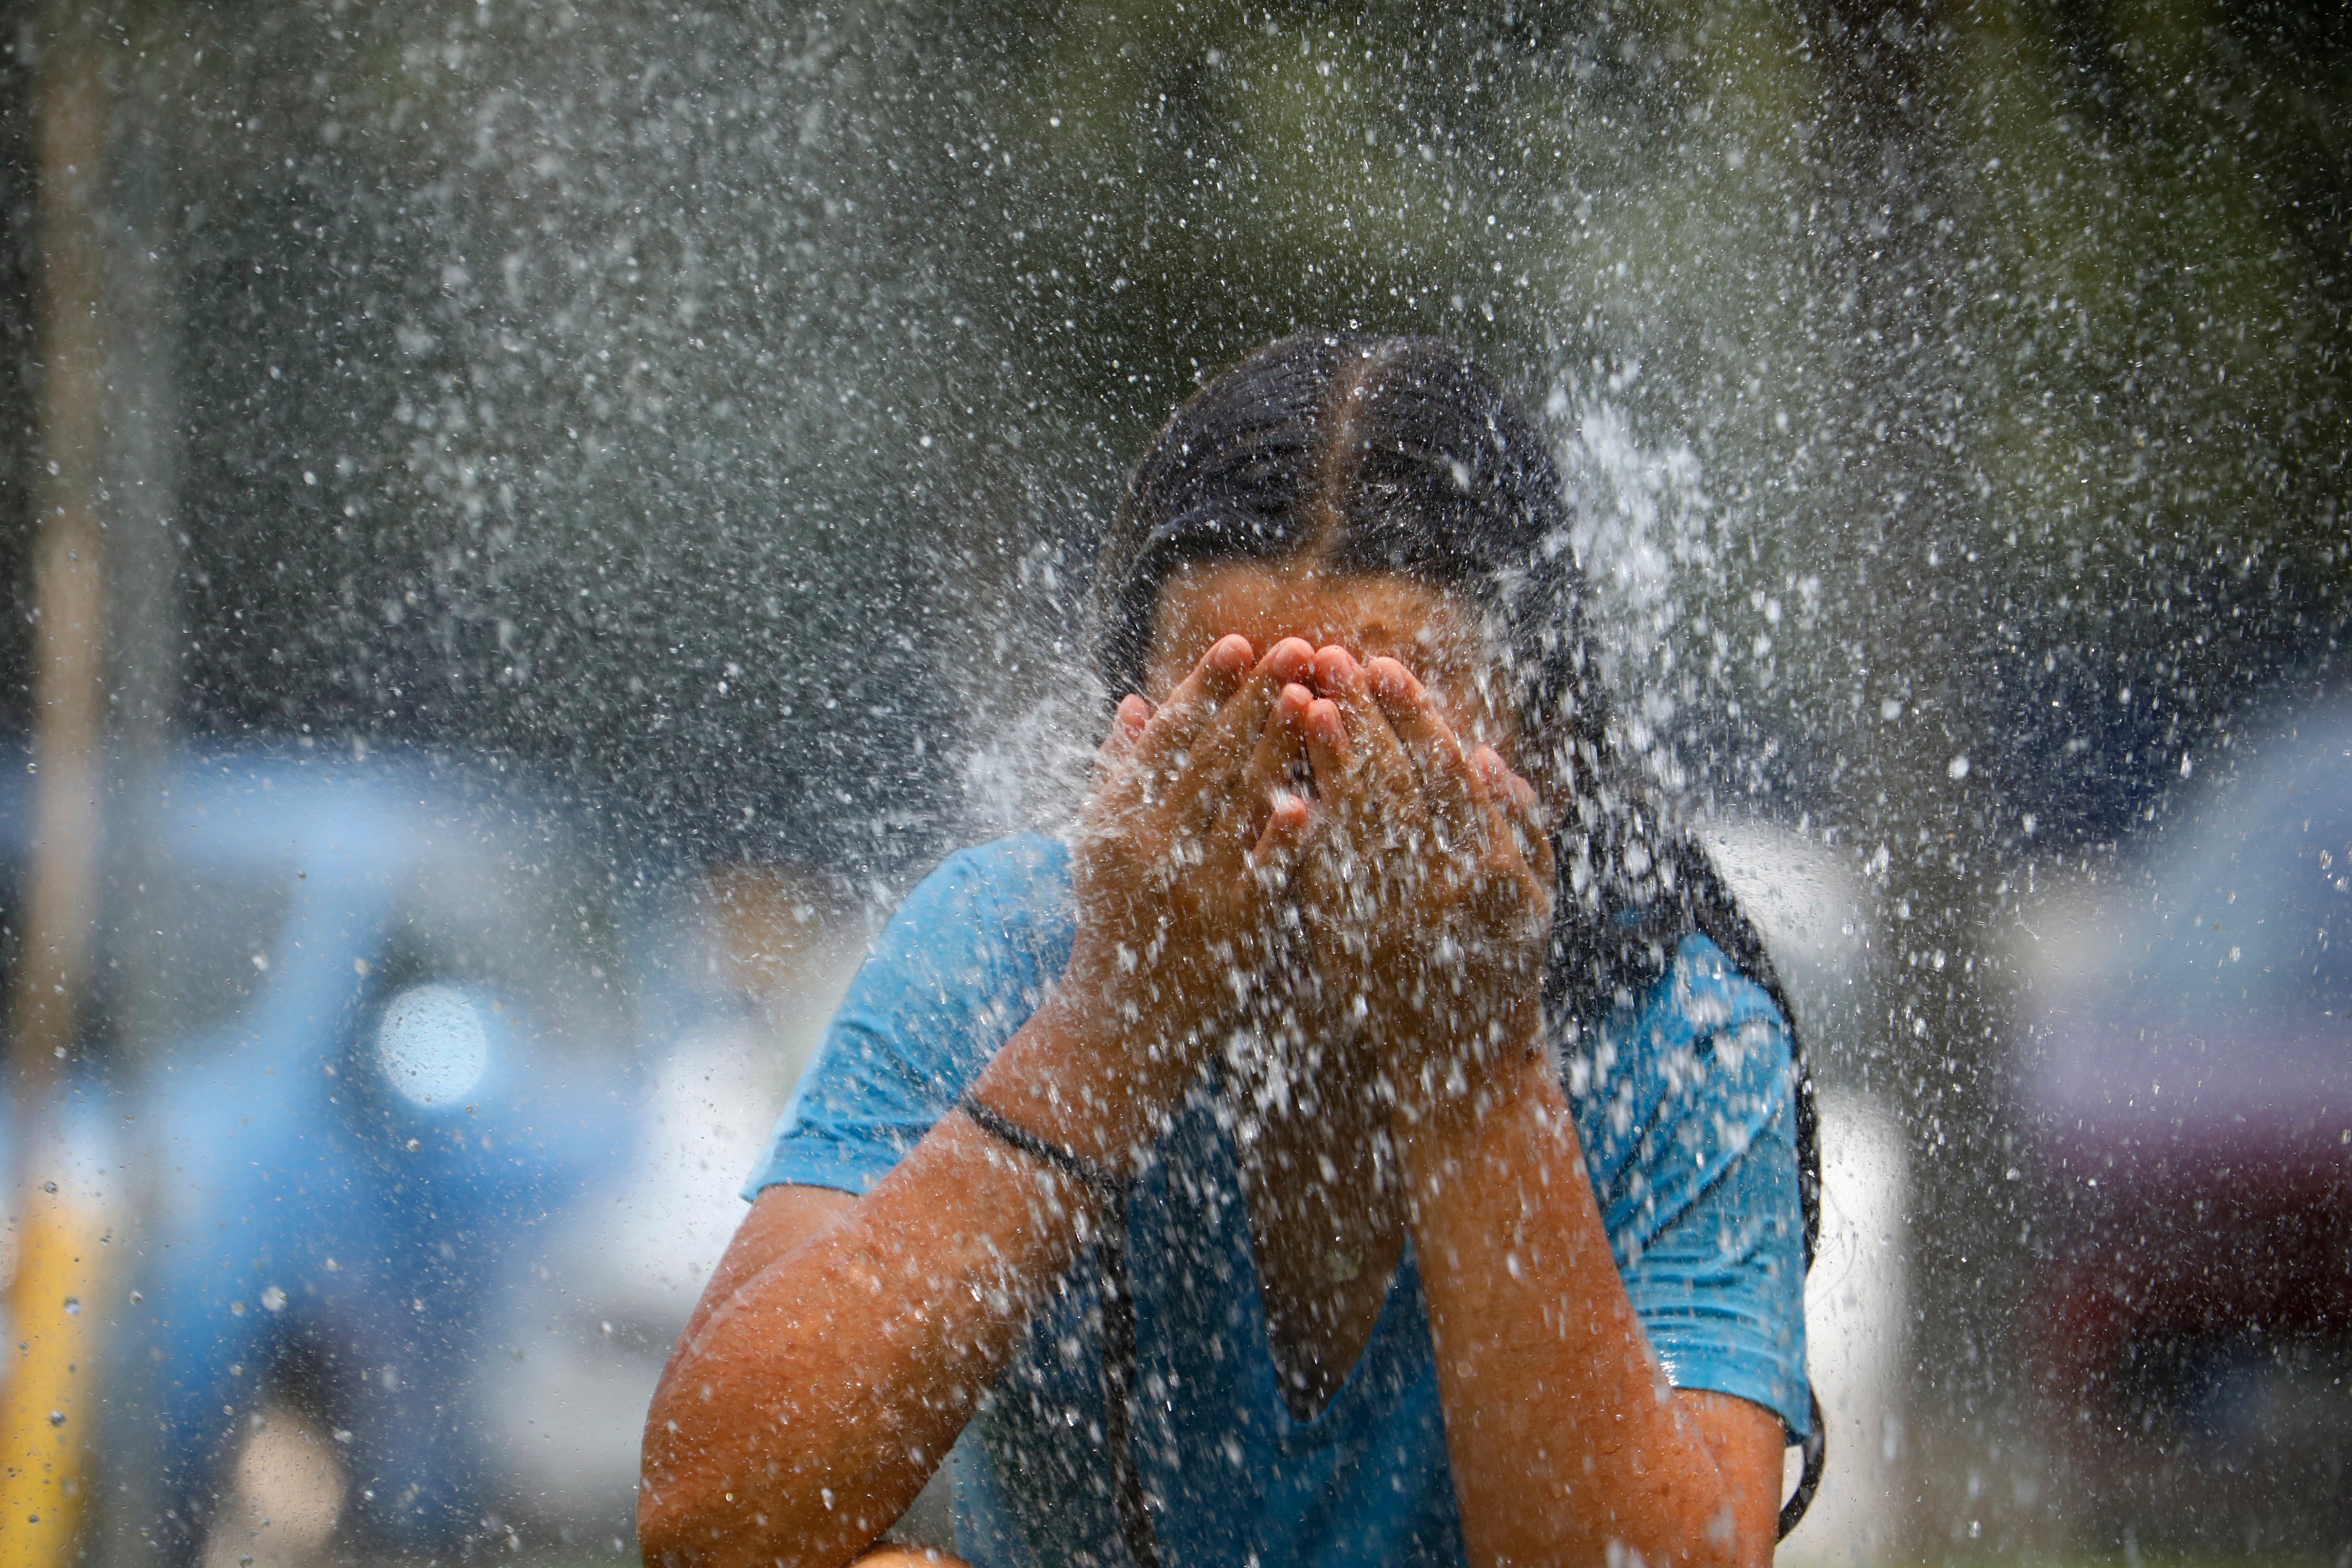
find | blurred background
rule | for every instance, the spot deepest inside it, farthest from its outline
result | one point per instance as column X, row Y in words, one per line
column 527, row 526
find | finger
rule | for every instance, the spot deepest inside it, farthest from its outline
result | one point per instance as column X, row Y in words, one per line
column 1335, row 670
column 1508, row 789
column 1289, row 829
column 1291, row 660
column 1445, row 779
column 1243, row 722
column 1514, row 810
column 1330, row 750
column 1113, row 782
column 1281, row 746
column 1546, row 860
column 1487, row 771
column 1197, row 699
column 1535, row 824
column 1126, row 728
column 1223, row 753
column 1382, row 761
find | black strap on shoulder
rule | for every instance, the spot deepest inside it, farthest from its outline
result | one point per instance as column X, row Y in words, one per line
column 1817, row 1448
column 1102, row 1184
column 1715, row 914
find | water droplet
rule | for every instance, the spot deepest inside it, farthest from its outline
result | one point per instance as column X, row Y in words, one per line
column 273, row 1299
column 73, row 1306
column 48, row 1186
column 57, row 1417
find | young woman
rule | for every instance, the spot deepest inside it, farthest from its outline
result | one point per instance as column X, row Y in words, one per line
column 1371, row 1139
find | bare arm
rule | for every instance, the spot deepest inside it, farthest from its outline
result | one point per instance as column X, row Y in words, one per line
column 839, row 1351
column 842, row 1346
column 1563, row 1434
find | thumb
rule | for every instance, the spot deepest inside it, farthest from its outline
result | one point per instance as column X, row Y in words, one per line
column 1127, row 727
column 1289, row 829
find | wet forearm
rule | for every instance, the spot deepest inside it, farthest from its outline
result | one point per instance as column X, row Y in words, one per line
column 805, row 1410
column 1563, row 1435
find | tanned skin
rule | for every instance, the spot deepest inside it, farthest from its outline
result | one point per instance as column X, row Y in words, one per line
column 841, row 1345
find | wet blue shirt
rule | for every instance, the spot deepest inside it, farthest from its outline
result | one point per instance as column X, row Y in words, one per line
column 1685, row 1111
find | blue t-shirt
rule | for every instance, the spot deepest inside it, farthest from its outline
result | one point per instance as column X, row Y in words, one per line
column 1684, row 1108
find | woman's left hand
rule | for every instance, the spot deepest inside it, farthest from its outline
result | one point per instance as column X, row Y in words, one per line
column 1428, row 891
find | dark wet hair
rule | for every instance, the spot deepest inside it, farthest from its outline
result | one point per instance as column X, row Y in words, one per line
column 1392, row 454
column 1384, row 455
column 1396, row 454
column 1376, row 455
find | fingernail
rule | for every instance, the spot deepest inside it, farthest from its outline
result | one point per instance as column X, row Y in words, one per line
column 1392, row 680
column 1336, row 669
column 1289, row 658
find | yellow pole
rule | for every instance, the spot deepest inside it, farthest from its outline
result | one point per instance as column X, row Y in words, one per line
column 47, row 1403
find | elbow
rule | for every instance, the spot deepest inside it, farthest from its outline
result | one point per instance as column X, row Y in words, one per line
column 678, row 1527
column 696, row 1511
column 689, row 1528
column 662, row 1538
column 687, row 1516
column 691, row 1524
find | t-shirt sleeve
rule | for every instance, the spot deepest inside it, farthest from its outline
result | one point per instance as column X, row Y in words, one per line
column 957, row 971
column 1691, row 1143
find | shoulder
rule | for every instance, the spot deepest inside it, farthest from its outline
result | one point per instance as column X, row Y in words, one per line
column 1703, row 1002
column 1013, row 886
column 1701, row 1050
column 1020, row 860
column 960, row 966
column 982, row 934
column 1718, row 1001
column 1025, row 868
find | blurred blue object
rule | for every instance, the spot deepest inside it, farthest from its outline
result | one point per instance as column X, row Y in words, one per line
column 2212, row 1003
column 367, row 1031
column 2187, row 1084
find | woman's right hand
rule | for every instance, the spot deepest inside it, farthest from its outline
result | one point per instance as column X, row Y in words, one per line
column 1183, row 858
column 843, row 1345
